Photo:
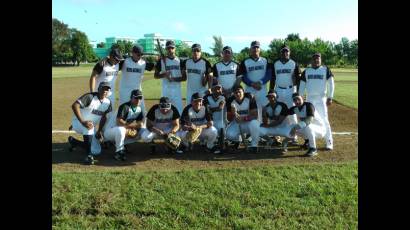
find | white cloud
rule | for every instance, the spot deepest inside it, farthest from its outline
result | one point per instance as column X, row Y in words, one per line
column 180, row 27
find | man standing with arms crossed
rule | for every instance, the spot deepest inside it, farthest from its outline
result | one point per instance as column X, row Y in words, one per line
column 256, row 73
column 319, row 84
column 169, row 70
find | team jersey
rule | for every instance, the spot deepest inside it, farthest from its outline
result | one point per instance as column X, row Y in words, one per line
column 211, row 102
column 129, row 113
column 106, row 72
column 306, row 110
column 161, row 120
column 133, row 73
column 254, row 70
column 197, row 118
column 316, row 79
column 274, row 112
column 226, row 73
column 92, row 108
column 173, row 65
column 285, row 74
column 243, row 108
column 195, row 72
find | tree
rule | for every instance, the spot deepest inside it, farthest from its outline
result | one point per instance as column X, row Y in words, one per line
column 82, row 50
column 293, row 37
column 183, row 50
column 101, row 45
column 59, row 35
column 218, row 46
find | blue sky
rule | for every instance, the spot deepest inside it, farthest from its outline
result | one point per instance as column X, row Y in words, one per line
column 238, row 22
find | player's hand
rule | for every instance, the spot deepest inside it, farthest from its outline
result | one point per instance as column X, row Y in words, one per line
column 237, row 118
column 221, row 105
column 329, row 102
column 88, row 124
column 193, row 127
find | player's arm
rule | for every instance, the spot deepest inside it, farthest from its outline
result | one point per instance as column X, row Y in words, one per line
column 208, row 73
column 330, row 86
column 265, row 120
column 268, row 74
column 98, row 68
column 103, row 119
column 149, row 66
column 209, row 123
column 296, row 76
column 302, row 85
column 243, row 72
column 253, row 110
column 158, row 74
column 82, row 102
column 175, row 119
column 273, row 77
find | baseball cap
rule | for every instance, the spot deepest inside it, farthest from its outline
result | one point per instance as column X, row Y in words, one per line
column 255, row 43
column 196, row 46
column 239, row 87
column 285, row 48
column 196, row 96
column 317, row 54
column 137, row 49
column 104, row 84
column 116, row 53
column 215, row 83
column 164, row 103
column 294, row 95
column 170, row 43
column 136, row 93
column 271, row 93
column 227, row 48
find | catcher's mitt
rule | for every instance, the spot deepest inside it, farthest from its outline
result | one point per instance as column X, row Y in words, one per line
column 193, row 135
column 131, row 133
column 173, row 141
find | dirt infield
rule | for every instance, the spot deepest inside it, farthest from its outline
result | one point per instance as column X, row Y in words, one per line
column 342, row 119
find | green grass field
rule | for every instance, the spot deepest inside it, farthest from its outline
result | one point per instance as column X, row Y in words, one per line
column 304, row 194
column 285, row 197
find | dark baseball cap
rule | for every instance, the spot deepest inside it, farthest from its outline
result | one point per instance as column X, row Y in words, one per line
column 116, row 53
column 164, row 103
column 215, row 83
column 255, row 43
column 285, row 48
column 227, row 48
column 170, row 43
column 196, row 96
column 137, row 49
column 316, row 55
column 271, row 93
column 196, row 46
column 136, row 93
column 104, row 84
column 294, row 95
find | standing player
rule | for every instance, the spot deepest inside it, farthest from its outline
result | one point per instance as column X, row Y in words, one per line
column 215, row 104
column 129, row 116
column 169, row 69
column 285, row 77
column 319, row 84
column 196, row 70
column 162, row 118
column 107, row 70
column 132, row 74
column 310, row 125
column 243, row 108
column 196, row 116
column 226, row 71
column 256, row 73
column 90, row 110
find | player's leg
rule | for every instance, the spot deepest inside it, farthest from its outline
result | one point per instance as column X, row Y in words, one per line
column 210, row 134
column 309, row 133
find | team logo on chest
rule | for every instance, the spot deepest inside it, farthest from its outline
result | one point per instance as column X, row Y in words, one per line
column 258, row 67
column 315, row 76
column 172, row 67
column 281, row 71
column 134, row 70
column 196, row 71
column 227, row 72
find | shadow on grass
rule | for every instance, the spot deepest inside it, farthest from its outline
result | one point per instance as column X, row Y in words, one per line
column 139, row 152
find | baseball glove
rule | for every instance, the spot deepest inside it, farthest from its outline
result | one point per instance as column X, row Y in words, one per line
column 193, row 135
column 172, row 141
column 131, row 133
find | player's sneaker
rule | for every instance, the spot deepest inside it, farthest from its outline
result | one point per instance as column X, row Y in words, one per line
column 120, row 155
column 311, row 152
column 89, row 160
column 329, row 145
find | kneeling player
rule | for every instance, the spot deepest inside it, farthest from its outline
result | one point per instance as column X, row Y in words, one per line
column 242, row 106
column 196, row 118
column 274, row 118
column 90, row 110
column 162, row 119
column 125, row 127
column 310, row 125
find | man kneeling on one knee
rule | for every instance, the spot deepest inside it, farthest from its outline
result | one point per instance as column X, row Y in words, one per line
column 126, row 126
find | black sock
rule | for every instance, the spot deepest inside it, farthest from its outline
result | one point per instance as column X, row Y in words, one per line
column 87, row 143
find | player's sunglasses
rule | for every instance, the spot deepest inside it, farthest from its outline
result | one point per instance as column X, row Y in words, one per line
column 196, row 50
column 170, row 48
column 139, row 97
column 165, row 105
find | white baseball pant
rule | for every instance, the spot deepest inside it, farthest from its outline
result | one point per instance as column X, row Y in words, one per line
column 233, row 133
column 319, row 102
column 175, row 96
column 117, row 134
column 282, row 130
column 80, row 129
column 208, row 135
column 285, row 96
column 260, row 97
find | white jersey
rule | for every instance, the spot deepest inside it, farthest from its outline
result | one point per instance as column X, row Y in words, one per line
column 226, row 73
column 211, row 103
column 133, row 73
column 106, row 73
column 162, row 121
column 255, row 69
column 316, row 79
column 304, row 111
column 173, row 65
column 197, row 118
column 282, row 73
column 195, row 72
column 127, row 113
column 273, row 112
column 92, row 108
column 243, row 108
